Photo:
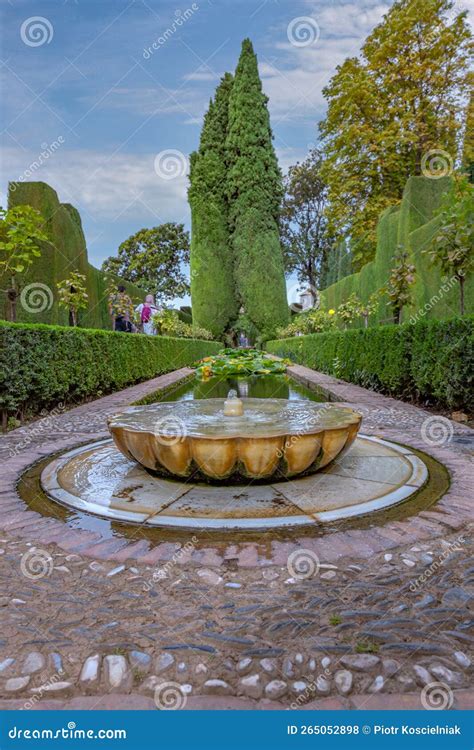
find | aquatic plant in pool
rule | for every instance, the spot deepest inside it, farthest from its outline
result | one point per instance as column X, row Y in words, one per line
column 239, row 362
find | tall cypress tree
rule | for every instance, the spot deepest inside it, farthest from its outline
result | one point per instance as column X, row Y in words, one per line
column 214, row 302
column 254, row 193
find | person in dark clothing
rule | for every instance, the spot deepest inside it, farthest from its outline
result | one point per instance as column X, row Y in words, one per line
column 121, row 310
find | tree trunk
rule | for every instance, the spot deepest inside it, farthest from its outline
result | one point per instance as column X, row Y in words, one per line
column 461, row 293
column 366, row 321
column 12, row 296
column 4, row 420
column 73, row 317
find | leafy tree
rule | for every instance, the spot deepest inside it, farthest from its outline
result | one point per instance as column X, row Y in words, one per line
column 213, row 292
column 305, row 239
column 453, row 245
column 152, row 259
column 254, row 192
column 21, row 232
column 73, row 295
column 402, row 276
column 387, row 110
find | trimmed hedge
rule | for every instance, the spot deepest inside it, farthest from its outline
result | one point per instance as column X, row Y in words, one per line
column 411, row 224
column 430, row 362
column 66, row 252
column 41, row 365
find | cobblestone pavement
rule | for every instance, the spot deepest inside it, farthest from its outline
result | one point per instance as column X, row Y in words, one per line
column 377, row 617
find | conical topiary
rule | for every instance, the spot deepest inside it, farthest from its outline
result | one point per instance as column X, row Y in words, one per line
column 254, row 192
column 214, row 303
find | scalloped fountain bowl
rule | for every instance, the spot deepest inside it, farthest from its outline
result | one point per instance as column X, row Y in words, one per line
column 216, row 439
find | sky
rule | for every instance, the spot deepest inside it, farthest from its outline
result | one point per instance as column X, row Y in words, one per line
column 114, row 92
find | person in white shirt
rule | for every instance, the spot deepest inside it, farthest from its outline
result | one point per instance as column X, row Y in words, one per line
column 146, row 310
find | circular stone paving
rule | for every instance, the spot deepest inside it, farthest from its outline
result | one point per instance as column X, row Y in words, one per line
column 96, row 478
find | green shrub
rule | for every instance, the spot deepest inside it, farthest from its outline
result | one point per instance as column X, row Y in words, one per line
column 309, row 321
column 42, row 365
column 431, row 361
column 168, row 323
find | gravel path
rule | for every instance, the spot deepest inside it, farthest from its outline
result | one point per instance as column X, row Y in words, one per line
column 379, row 617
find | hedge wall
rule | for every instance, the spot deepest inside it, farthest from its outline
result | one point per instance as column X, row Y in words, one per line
column 430, row 362
column 66, row 252
column 410, row 225
column 41, row 365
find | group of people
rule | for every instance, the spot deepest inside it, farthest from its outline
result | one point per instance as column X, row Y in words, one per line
column 130, row 319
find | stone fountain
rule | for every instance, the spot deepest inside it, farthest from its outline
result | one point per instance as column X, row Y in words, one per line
column 233, row 440
column 242, row 464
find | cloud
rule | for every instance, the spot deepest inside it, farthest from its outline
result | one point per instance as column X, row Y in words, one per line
column 111, row 187
column 348, row 20
column 188, row 101
column 203, row 74
column 293, row 76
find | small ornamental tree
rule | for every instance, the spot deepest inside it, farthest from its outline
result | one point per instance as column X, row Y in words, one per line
column 354, row 308
column 368, row 308
column 453, row 245
column 72, row 295
column 468, row 143
column 402, row 276
column 349, row 310
column 21, row 232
